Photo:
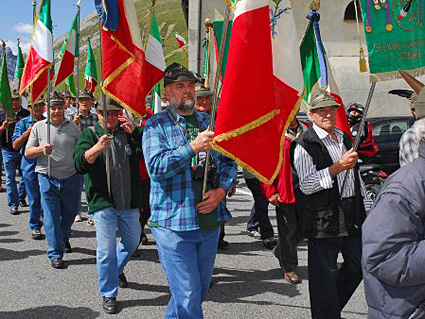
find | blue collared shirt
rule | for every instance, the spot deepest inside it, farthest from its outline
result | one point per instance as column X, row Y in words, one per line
column 168, row 158
column 20, row 129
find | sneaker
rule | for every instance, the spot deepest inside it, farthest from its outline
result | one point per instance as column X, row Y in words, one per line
column 36, row 234
column 253, row 233
column 23, row 202
column 14, row 211
column 78, row 218
column 90, row 221
column 68, row 248
column 57, row 263
column 269, row 243
column 122, row 281
column 109, row 305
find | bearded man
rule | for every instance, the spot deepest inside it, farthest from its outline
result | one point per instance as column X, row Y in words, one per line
column 185, row 224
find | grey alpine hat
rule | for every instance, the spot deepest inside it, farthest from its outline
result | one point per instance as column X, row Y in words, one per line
column 177, row 73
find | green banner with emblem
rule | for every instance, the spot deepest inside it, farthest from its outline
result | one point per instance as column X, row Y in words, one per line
column 395, row 37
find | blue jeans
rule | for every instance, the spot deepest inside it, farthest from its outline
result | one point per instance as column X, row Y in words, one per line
column 60, row 199
column 111, row 257
column 187, row 259
column 33, row 191
column 12, row 161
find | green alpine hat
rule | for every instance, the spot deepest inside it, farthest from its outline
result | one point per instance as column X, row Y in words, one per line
column 111, row 105
column 56, row 99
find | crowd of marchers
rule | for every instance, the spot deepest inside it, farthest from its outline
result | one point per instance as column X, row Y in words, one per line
column 150, row 173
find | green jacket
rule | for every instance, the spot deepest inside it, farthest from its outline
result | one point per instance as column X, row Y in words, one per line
column 95, row 174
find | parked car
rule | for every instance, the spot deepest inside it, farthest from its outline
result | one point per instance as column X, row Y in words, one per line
column 387, row 132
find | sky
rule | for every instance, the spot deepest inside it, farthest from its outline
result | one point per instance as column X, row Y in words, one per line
column 16, row 19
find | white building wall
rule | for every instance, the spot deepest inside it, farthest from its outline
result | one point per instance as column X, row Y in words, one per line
column 342, row 45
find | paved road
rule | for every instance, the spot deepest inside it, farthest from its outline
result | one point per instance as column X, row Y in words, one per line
column 247, row 281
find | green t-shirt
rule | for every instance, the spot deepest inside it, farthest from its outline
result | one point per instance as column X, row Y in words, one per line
column 206, row 221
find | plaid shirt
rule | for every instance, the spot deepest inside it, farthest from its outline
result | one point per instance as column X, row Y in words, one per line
column 168, row 158
column 408, row 147
column 85, row 121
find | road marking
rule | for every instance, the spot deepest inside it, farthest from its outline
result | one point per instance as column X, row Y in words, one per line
column 244, row 192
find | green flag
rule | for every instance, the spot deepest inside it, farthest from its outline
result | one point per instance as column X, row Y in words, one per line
column 310, row 63
column 90, row 75
column 395, row 37
column 70, row 82
column 19, row 63
column 5, row 96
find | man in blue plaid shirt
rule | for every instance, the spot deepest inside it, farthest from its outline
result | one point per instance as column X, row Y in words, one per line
column 185, row 224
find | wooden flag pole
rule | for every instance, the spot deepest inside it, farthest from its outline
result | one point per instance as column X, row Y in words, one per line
column 215, row 96
column 105, row 115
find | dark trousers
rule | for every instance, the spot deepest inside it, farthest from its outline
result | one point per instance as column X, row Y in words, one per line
column 259, row 218
column 145, row 209
column 288, row 237
column 331, row 288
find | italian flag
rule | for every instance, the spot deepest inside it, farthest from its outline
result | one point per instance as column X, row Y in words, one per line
column 40, row 56
column 182, row 41
column 318, row 74
column 155, row 60
column 262, row 89
column 70, row 51
column 90, row 75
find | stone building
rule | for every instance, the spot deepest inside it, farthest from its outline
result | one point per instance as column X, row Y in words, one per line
column 341, row 40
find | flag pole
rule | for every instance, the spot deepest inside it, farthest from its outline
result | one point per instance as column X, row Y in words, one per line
column 215, row 96
column 208, row 26
column 78, row 46
column 361, row 127
column 105, row 113
column 34, row 10
column 48, row 120
column 153, row 2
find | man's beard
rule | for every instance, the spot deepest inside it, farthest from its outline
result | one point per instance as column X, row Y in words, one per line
column 183, row 106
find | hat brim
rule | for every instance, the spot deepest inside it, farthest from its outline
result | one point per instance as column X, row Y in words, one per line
column 181, row 78
column 323, row 104
column 109, row 107
column 204, row 93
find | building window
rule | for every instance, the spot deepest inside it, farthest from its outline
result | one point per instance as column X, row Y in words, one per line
column 350, row 11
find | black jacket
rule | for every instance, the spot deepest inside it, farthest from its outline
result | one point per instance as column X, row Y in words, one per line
column 322, row 209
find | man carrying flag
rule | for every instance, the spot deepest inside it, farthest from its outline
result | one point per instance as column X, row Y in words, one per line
column 185, row 224
column 323, row 158
column 40, row 56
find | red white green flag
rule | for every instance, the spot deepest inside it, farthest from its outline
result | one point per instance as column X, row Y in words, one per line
column 155, row 54
column 263, row 86
column 70, row 50
column 91, row 69
column 40, row 55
